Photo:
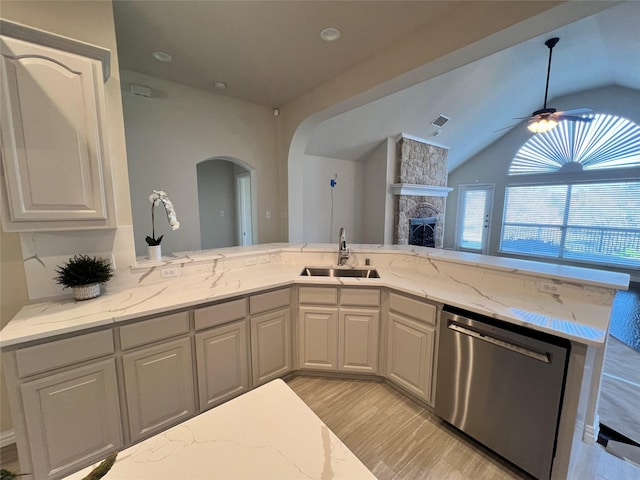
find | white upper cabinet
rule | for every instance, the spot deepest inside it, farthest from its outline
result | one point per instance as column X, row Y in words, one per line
column 55, row 156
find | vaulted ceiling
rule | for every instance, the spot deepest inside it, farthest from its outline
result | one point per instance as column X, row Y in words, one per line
column 270, row 53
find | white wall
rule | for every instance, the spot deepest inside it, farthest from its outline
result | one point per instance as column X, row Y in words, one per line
column 491, row 165
column 179, row 127
column 375, row 190
column 217, row 204
column 347, row 199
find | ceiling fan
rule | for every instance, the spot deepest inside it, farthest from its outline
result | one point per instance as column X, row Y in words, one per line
column 545, row 119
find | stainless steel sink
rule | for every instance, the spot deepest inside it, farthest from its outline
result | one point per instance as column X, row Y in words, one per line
column 357, row 272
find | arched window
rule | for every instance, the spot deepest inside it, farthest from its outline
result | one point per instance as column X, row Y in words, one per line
column 572, row 217
column 605, row 142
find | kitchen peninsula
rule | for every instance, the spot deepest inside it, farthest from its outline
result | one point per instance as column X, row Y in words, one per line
column 254, row 303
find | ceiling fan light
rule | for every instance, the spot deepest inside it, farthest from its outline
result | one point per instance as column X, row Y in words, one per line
column 542, row 125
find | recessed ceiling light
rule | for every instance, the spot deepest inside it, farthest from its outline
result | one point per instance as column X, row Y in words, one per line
column 330, row 34
column 162, row 56
column 220, row 85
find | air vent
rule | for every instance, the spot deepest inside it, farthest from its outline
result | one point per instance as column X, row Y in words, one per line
column 140, row 90
column 440, row 121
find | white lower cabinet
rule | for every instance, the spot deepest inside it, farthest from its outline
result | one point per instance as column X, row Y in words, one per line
column 270, row 345
column 358, row 340
column 69, row 417
column 318, row 338
column 72, row 418
column 222, row 363
column 159, row 387
column 339, row 338
column 411, row 336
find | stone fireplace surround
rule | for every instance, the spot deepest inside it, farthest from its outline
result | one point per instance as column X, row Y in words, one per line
column 419, row 163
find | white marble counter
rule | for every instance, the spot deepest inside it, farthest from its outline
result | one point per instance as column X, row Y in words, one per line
column 507, row 289
column 268, row 433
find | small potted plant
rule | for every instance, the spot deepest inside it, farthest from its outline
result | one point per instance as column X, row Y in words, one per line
column 84, row 275
column 153, row 243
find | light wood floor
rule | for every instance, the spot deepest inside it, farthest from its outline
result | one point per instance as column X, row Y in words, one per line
column 399, row 440
column 393, row 436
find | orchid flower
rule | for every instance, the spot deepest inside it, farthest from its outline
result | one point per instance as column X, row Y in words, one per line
column 156, row 198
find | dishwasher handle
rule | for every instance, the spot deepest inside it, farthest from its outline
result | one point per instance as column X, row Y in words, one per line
column 464, row 330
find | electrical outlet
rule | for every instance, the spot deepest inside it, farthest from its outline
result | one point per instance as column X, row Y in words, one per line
column 169, row 272
column 549, row 286
column 250, row 261
column 263, row 259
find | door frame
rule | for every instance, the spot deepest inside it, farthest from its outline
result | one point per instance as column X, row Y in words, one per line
column 488, row 213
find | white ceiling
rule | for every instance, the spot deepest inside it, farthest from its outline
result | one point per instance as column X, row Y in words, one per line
column 270, row 53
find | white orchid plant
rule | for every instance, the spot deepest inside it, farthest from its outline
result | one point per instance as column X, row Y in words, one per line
column 156, row 198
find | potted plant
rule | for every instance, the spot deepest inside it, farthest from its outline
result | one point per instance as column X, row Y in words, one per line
column 156, row 198
column 84, row 275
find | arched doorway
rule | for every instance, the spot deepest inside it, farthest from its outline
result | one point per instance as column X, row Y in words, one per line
column 225, row 202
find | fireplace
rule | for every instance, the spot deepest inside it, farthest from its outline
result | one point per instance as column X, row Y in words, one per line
column 422, row 231
column 420, row 192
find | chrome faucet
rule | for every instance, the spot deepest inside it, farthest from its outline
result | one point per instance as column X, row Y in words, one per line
column 343, row 251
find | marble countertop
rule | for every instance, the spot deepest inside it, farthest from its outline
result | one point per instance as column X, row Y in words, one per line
column 267, row 433
column 577, row 309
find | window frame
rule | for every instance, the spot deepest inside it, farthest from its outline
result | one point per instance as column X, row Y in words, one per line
column 564, row 226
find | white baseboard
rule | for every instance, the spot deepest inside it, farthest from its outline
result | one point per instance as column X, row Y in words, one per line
column 590, row 436
column 7, row 438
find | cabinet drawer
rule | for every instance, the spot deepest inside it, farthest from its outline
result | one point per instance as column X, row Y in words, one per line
column 361, row 297
column 264, row 302
column 155, row 329
column 221, row 313
column 318, row 295
column 413, row 308
column 48, row 356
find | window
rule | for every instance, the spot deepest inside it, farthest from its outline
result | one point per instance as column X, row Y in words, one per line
column 592, row 222
column 597, row 221
column 606, row 142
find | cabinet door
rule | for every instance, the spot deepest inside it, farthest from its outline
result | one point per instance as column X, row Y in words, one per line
column 73, row 418
column 358, row 346
column 159, row 387
column 270, row 345
column 410, row 355
column 318, row 338
column 54, row 151
column 223, row 368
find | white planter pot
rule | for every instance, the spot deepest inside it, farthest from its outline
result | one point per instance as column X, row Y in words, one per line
column 154, row 252
column 85, row 292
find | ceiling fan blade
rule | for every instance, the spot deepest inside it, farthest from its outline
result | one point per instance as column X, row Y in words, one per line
column 505, row 128
column 576, row 111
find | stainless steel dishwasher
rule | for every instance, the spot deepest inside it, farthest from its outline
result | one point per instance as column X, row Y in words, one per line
column 502, row 385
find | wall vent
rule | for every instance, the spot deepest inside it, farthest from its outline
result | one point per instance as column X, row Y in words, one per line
column 440, row 121
column 140, row 90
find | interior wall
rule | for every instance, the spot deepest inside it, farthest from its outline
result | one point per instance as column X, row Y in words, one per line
column 375, row 188
column 476, row 30
column 317, row 199
column 90, row 22
column 491, row 164
column 171, row 132
column 217, row 203
column 13, row 296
